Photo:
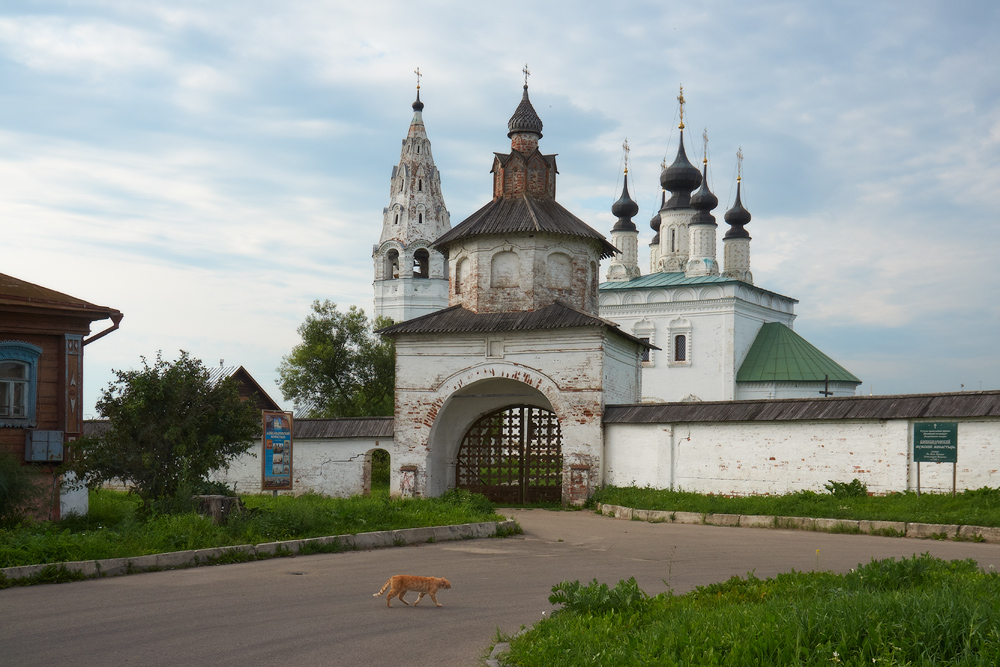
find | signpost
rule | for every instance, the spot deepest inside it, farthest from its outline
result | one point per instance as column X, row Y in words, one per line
column 276, row 462
column 936, row 442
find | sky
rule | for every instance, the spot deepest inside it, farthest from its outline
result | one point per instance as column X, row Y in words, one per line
column 212, row 168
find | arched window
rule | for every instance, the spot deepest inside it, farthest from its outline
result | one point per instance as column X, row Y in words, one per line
column 504, row 269
column 392, row 265
column 461, row 274
column 420, row 185
column 421, row 264
column 420, row 218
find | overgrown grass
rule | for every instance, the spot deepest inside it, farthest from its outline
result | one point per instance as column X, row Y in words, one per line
column 114, row 528
column 979, row 507
column 918, row 611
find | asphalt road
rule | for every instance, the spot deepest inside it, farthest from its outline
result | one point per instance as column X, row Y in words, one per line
column 319, row 610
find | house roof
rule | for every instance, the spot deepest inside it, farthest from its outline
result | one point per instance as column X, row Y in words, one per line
column 247, row 384
column 18, row 293
column 524, row 215
column 360, row 427
column 905, row 406
column 457, row 319
column 778, row 354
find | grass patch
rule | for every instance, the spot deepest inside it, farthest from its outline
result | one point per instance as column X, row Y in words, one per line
column 918, row 611
column 115, row 528
column 978, row 507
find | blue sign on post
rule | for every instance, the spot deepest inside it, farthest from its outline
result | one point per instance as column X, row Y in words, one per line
column 276, row 461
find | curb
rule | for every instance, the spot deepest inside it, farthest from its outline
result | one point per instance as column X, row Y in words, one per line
column 899, row 528
column 111, row 567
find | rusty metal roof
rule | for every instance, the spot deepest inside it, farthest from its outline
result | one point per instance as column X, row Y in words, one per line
column 457, row 319
column 525, row 215
column 903, row 406
column 17, row 292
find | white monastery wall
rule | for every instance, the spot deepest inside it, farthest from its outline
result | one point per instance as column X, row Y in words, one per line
column 328, row 466
column 739, row 458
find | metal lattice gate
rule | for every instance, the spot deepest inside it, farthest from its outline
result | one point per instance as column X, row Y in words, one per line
column 513, row 455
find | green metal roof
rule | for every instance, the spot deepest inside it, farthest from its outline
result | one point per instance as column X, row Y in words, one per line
column 677, row 279
column 778, row 354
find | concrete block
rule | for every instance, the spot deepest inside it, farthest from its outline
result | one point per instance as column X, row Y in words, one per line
column 926, row 530
column 687, row 517
column 722, row 519
column 658, row 516
column 174, row 559
column 987, row 533
column 21, row 571
column 836, row 524
column 447, row 533
column 796, row 522
column 113, row 567
column 345, row 541
column 87, row 568
column 267, row 548
column 414, row 535
column 384, row 538
column 205, row 556
column 640, row 515
column 873, row 526
column 623, row 513
column 757, row 521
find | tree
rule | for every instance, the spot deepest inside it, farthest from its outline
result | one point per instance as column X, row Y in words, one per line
column 169, row 426
column 341, row 368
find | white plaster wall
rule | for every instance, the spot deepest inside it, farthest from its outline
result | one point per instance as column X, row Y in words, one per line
column 782, row 457
column 331, row 467
column 779, row 390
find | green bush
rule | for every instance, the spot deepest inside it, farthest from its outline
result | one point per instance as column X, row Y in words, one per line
column 20, row 490
column 853, row 489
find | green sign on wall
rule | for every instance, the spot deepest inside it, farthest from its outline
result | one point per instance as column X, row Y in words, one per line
column 935, row 442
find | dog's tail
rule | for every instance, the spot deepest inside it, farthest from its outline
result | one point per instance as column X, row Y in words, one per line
column 382, row 590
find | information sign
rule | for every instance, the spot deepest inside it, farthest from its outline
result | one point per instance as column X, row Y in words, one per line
column 935, row 442
column 276, row 462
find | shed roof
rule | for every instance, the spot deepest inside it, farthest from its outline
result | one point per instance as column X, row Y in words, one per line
column 903, row 406
column 778, row 354
column 360, row 427
column 524, row 215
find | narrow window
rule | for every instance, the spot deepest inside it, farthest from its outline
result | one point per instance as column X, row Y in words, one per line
column 420, row 186
column 420, row 218
column 680, row 347
column 645, row 350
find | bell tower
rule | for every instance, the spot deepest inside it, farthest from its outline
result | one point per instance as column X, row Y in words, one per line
column 411, row 277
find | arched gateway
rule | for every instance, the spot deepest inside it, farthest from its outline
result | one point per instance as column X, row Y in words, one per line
column 513, row 455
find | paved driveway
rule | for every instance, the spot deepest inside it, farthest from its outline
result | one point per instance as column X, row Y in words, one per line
column 319, row 610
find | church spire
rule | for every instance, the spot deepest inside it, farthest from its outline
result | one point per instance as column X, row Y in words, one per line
column 736, row 242
column 525, row 126
column 624, row 234
column 701, row 228
column 410, row 275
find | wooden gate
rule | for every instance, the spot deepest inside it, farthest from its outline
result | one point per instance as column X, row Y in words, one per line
column 513, row 455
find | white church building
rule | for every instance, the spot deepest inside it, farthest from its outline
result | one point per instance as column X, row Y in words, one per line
column 523, row 376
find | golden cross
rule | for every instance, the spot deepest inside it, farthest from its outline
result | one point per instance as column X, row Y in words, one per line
column 739, row 164
column 527, row 73
column 704, row 136
column 626, row 148
column 680, row 100
column 417, row 72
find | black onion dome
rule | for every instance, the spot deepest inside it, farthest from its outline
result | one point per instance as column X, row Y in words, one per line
column 418, row 105
column 524, row 119
column 703, row 201
column 656, row 221
column 680, row 178
column 624, row 209
column 736, row 217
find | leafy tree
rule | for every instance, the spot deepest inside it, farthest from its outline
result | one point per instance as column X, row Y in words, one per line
column 21, row 490
column 169, row 426
column 341, row 368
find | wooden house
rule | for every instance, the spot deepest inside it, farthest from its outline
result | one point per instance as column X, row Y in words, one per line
column 43, row 334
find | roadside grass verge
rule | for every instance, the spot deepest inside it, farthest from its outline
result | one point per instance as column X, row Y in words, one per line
column 978, row 507
column 115, row 528
column 918, row 611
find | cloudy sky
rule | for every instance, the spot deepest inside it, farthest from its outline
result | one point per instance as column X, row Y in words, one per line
column 211, row 168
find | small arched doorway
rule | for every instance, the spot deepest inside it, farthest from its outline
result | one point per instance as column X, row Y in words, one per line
column 376, row 473
column 513, row 455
